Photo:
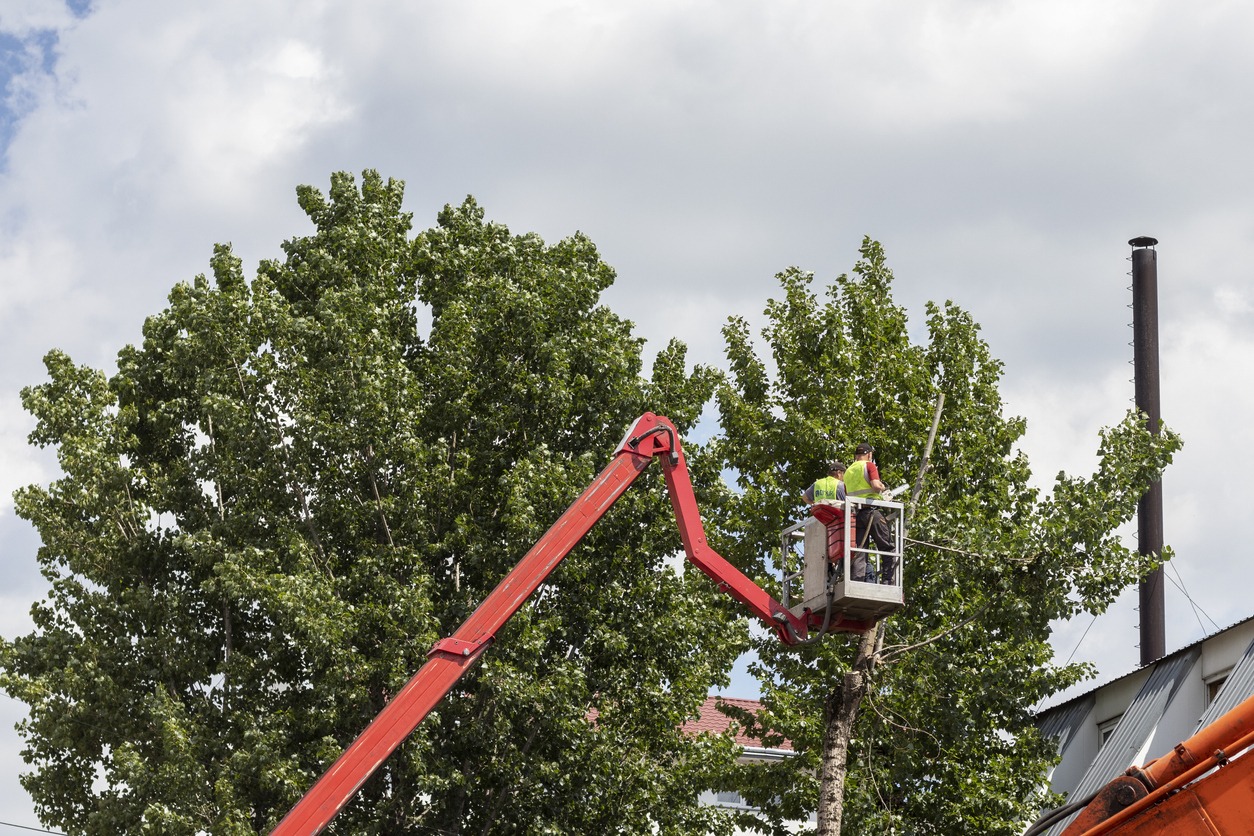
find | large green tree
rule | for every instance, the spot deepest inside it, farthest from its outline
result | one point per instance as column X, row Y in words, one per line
column 924, row 725
column 296, row 483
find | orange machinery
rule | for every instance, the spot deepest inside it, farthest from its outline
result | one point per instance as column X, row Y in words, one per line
column 1204, row 787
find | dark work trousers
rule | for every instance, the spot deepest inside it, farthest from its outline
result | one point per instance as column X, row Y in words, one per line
column 873, row 526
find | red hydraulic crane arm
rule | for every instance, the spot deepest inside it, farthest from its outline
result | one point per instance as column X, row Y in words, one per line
column 731, row 580
column 649, row 437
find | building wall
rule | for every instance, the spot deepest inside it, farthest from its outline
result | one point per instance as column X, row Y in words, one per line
column 1114, row 699
column 1220, row 651
column 1110, row 702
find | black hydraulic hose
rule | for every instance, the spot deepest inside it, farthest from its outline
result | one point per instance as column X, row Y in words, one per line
column 658, row 430
column 1051, row 817
column 827, row 619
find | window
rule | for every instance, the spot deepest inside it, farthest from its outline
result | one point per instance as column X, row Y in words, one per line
column 730, row 798
column 1213, row 684
column 1107, row 727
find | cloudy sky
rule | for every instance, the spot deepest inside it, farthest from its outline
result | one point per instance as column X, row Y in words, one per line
column 1003, row 152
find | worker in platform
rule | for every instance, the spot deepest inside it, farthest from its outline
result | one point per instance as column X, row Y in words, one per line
column 831, row 488
column 827, row 499
column 862, row 480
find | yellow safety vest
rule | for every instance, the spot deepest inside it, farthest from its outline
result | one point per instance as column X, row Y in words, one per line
column 826, row 488
column 857, row 483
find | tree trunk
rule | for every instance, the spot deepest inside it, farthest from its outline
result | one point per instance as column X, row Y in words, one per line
column 841, row 709
column 839, row 714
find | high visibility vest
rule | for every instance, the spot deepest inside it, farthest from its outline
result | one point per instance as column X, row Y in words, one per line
column 857, row 483
column 826, row 488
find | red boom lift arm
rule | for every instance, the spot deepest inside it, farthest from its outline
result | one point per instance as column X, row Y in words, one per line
column 650, row 437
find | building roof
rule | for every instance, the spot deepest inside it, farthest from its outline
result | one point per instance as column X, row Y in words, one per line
column 710, row 719
column 1049, row 707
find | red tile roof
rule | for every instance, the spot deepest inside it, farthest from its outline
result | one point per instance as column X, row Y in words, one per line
column 714, row 721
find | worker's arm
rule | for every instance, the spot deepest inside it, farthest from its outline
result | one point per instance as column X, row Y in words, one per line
column 873, row 477
column 808, row 493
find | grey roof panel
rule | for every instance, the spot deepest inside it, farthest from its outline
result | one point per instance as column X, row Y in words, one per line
column 1065, row 720
column 1135, row 727
column 1236, row 689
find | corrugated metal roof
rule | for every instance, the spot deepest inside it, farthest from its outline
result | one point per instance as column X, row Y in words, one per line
column 1236, row 689
column 1135, row 727
column 1064, row 721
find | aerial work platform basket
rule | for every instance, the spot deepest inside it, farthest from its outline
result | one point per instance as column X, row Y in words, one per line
column 828, row 564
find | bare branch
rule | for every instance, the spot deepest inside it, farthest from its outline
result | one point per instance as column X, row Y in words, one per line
column 927, row 453
column 896, row 650
column 378, row 500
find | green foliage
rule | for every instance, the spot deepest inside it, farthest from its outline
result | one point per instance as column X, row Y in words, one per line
column 944, row 742
column 287, row 492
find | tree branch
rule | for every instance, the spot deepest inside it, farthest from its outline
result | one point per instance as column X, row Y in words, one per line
column 378, row 500
column 896, row 650
column 927, row 453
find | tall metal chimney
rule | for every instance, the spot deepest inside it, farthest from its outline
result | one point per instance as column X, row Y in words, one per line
column 1150, row 509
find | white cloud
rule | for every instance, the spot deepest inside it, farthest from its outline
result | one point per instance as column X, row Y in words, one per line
column 19, row 464
column 46, row 264
column 21, row 18
column 1233, row 301
column 198, row 107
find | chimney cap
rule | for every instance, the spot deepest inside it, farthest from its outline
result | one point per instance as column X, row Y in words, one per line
column 1143, row 241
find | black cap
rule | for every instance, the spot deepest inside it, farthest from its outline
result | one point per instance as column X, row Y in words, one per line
column 835, row 466
column 863, row 448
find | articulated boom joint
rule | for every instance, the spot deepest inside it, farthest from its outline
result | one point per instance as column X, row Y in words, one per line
column 458, row 647
column 651, row 436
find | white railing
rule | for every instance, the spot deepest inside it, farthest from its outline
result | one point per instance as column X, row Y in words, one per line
column 864, row 582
